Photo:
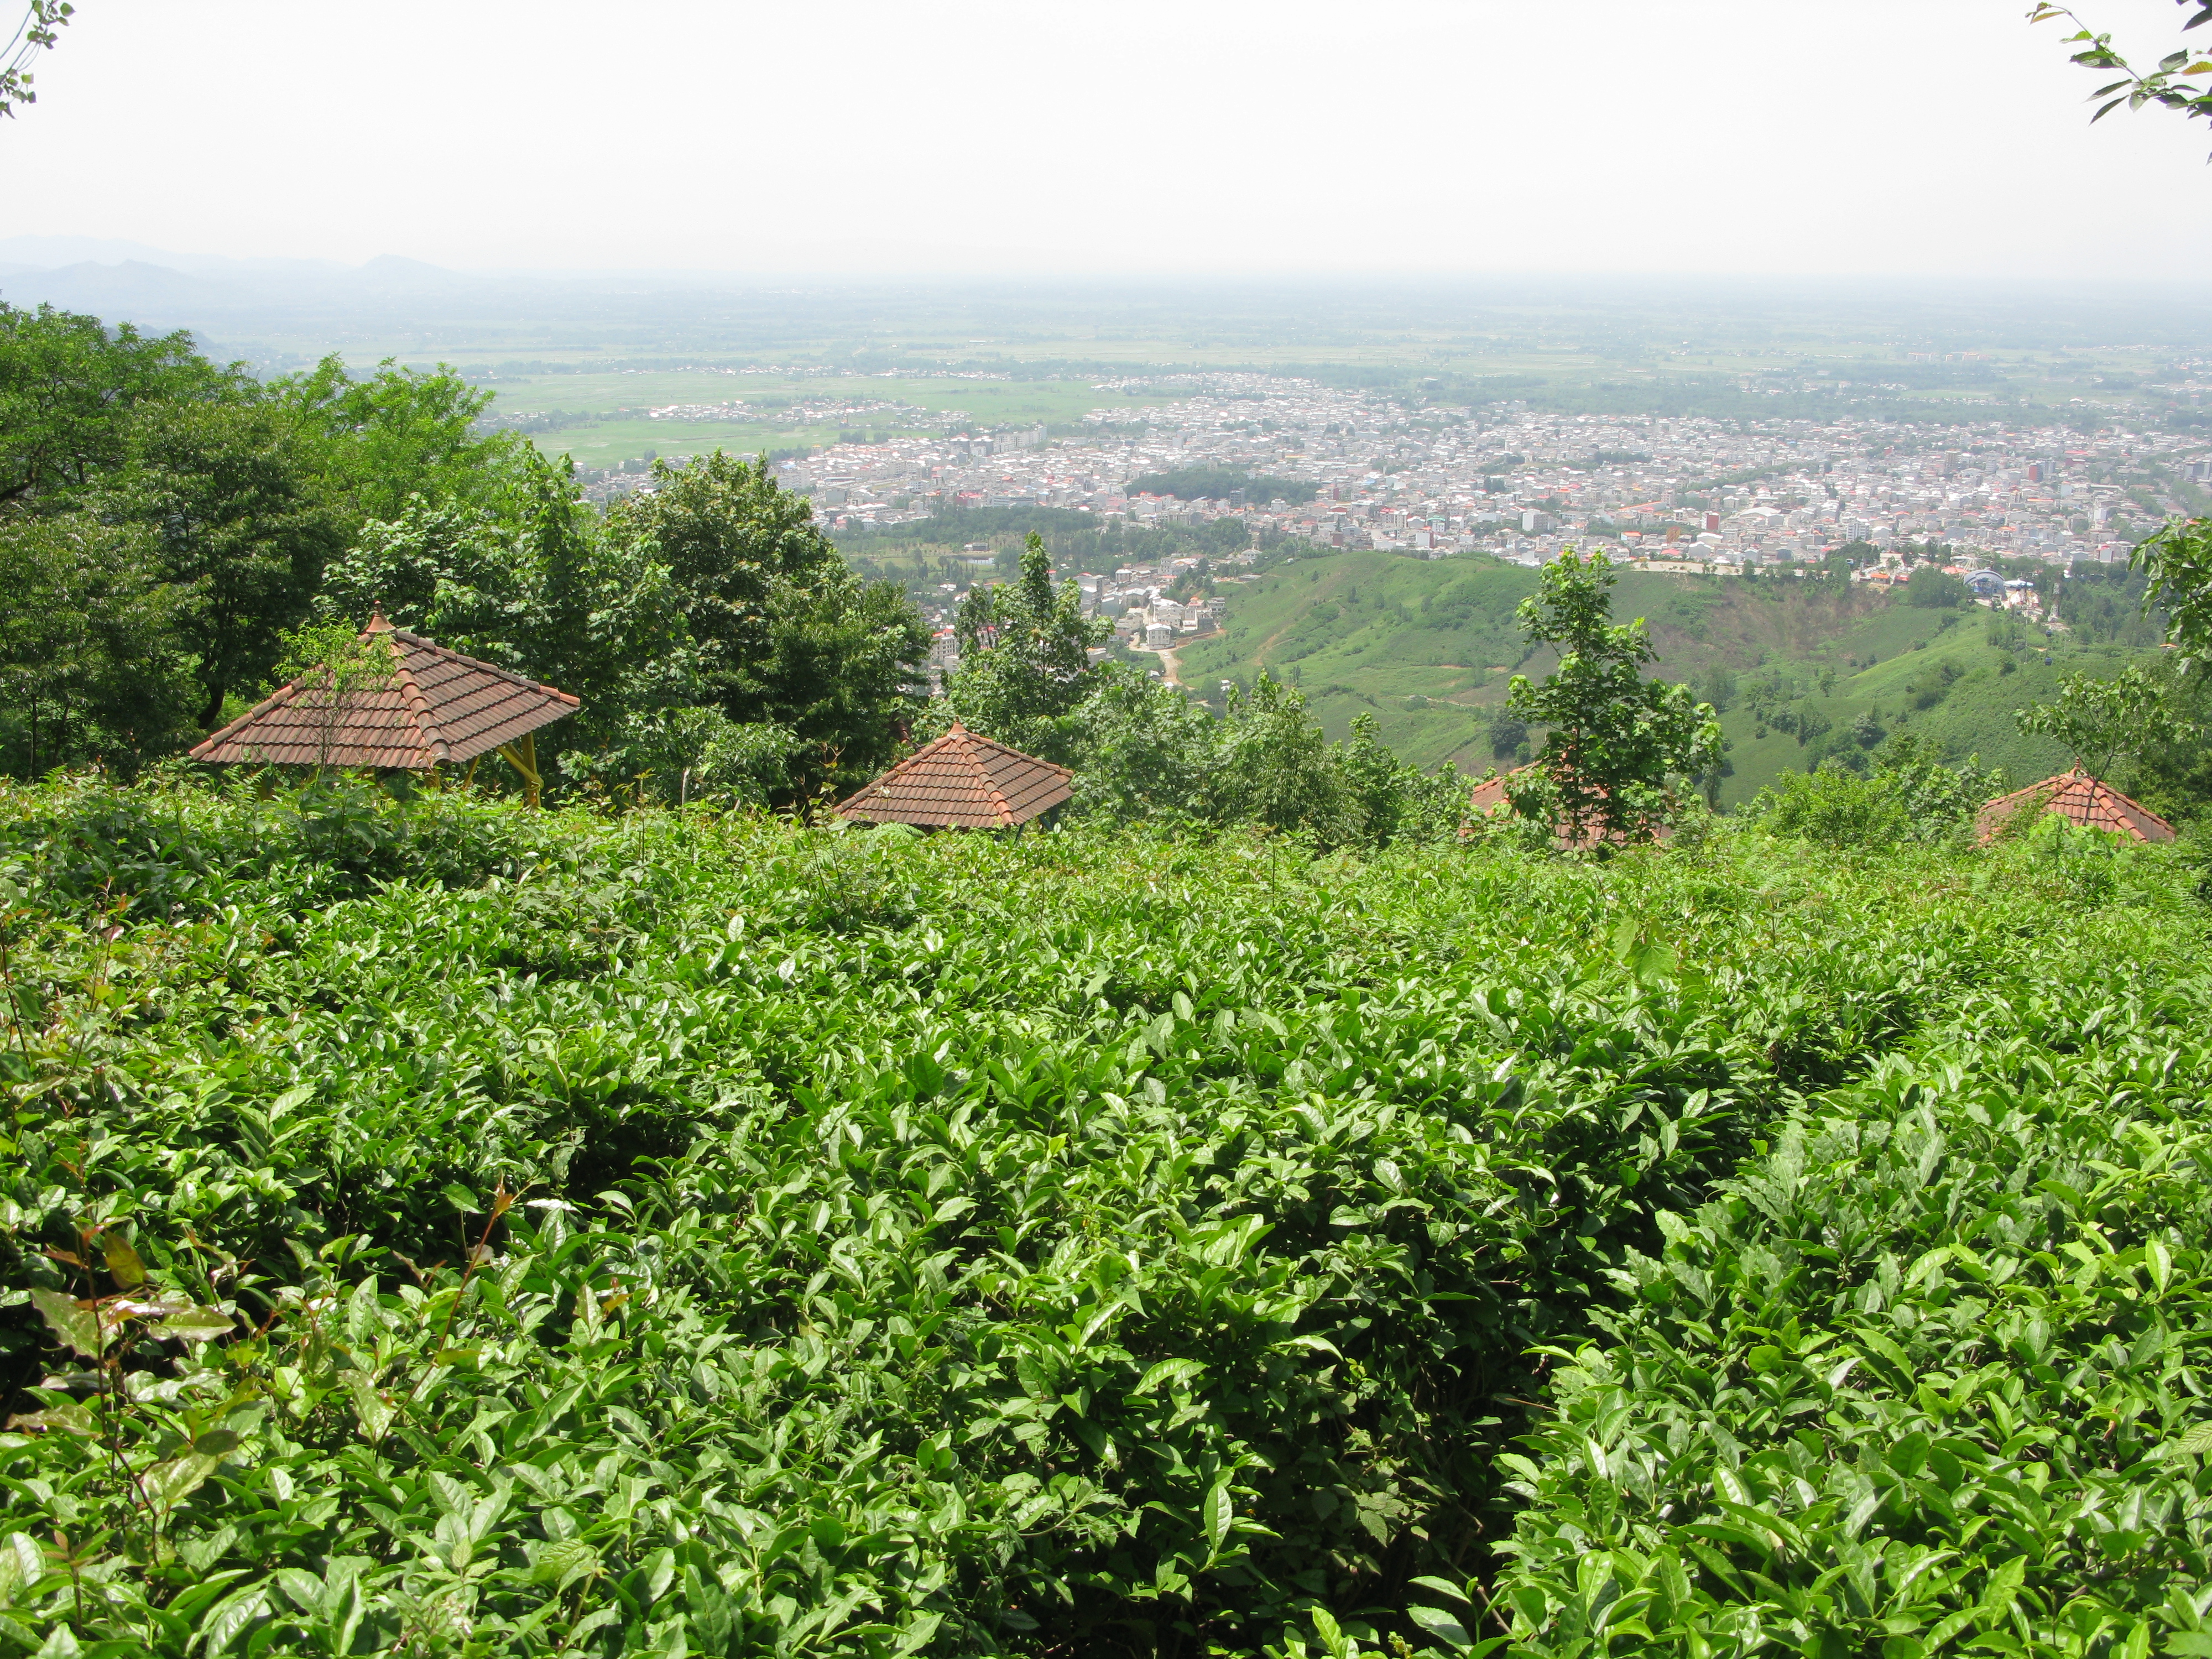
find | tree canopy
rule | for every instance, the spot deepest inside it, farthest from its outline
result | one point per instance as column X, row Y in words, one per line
column 1024, row 656
column 170, row 522
column 1616, row 738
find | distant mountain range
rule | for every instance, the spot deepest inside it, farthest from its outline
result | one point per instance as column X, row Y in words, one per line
column 286, row 312
column 280, row 313
column 157, row 289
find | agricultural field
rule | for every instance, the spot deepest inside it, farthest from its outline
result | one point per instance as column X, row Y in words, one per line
column 1428, row 647
column 1598, row 343
column 442, row 1228
column 599, row 417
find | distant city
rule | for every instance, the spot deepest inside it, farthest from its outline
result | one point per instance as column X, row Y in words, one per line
column 1519, row 483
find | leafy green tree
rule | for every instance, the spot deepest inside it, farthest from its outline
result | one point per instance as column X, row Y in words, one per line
column 2178, row 563
column 688, row 754
column 1024, row 656
column 842, row 671
column 336, row 666
column 2149, row 726
column 398, row 434
column 783, row 631
column 1931, row 589
column 540, row 585
column 1272, row 766
column 729, row 537
column 1395, row 801
column 2102, row 721
column 1142, row 751
column 1616, row 737
column 2145, row 730
column 70, row 388
column 2166, row 85
column 88, row 663
column 231, row 494
column 1718, row 687
column 1911, row 795
column 438, row 569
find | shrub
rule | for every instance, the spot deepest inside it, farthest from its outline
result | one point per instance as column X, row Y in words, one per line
column 1911, row 795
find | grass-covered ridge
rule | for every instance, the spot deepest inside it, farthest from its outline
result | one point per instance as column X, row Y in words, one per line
column 706, row 1234
column 1427, row 649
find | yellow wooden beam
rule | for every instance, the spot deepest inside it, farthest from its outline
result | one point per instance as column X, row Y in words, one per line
column 522, row 755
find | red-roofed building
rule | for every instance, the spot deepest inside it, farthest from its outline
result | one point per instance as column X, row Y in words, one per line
column 434, row 705
column 962, row 781
column 2081, row 801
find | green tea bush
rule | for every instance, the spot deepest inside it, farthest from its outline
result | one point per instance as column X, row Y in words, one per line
column 1927, row 1373
column 1911, row 795
column 689, row 1234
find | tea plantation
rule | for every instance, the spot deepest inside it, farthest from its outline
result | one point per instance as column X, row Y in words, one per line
column 444, row 1229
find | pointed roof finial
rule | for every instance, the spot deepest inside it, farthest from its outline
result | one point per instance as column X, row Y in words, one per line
column 376, row 622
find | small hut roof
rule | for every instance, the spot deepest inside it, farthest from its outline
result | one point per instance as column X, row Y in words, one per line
column 962, row 781
column 438, row 705
column 2080, row 799
column 1492, row 798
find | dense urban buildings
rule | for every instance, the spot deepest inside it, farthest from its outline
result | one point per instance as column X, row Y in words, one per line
column 1503, row 479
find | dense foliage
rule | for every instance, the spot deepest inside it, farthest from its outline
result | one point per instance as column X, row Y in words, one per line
column 2144, row 728
column 1142, row 752
column 440, row 1228
column 1024, row 657
column 166, row 523
column 1906, row 795
column 1926, row 1372
column 1616, row 738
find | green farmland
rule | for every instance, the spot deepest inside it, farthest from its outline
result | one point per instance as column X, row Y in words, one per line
column 592, row 429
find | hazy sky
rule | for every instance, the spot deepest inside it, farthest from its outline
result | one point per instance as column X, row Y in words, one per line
column 1785, row 137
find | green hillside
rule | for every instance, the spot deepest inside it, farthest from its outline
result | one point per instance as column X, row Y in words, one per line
column 1427, row 647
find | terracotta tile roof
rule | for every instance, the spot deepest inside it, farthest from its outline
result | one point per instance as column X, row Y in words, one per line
column 1490, row 798
column 962, row 781
column 2080, row 799
column 437, row 706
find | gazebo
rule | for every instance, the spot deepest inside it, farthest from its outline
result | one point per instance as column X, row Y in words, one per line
column 434, row 706
column 2086, row 802
column 962, row 781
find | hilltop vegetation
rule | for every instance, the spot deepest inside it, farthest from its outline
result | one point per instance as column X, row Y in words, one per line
column 517, row 1233
column 1425, row 648
column 168, row 526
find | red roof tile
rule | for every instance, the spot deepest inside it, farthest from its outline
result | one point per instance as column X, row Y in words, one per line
column 438, row 705
column 2080, row 799
column 962, row 781
column 1493, row 799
